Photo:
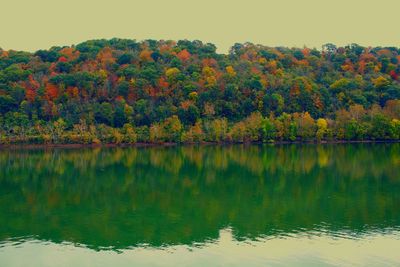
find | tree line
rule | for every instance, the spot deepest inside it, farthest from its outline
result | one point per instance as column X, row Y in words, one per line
column 124, row 91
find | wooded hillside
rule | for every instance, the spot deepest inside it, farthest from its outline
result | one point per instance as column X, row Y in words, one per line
column 124, row 91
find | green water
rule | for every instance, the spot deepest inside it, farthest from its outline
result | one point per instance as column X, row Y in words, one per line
column 289, row 205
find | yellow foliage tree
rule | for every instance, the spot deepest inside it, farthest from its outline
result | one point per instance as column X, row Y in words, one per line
column 231, row 71
column 322, row 127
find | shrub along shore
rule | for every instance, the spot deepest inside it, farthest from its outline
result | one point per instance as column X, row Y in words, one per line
column 356, row 124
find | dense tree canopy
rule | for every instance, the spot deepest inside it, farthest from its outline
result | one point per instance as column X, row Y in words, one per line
column 118, row 90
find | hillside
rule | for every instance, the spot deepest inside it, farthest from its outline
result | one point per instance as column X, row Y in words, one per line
column 124, row 91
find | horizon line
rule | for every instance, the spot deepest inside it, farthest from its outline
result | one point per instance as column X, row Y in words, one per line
column 204, row 42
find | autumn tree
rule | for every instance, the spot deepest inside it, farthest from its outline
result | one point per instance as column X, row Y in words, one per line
column 305, row 126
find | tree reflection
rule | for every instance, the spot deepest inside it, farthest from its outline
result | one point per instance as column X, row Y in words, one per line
column 122, row 197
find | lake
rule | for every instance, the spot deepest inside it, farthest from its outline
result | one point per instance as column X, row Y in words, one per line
column 238, row 205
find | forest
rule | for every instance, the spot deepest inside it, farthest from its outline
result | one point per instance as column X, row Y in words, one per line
column 122, row 91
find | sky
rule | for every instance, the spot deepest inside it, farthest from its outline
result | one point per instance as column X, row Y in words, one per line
column 30, row 25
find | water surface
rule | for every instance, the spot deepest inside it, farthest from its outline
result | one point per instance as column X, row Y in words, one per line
column 259, row 205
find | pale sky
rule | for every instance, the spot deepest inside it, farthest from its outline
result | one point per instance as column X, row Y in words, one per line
column 39, row 24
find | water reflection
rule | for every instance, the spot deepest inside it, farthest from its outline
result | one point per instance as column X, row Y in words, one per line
column 376, row 249
column 122, row 198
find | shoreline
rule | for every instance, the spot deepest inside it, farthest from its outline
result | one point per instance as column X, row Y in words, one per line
column 171, row 144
